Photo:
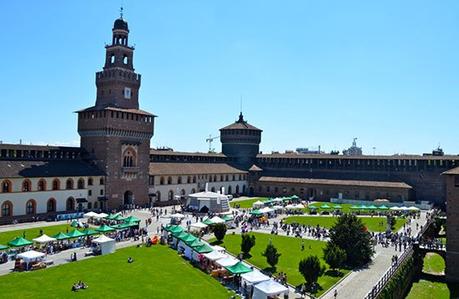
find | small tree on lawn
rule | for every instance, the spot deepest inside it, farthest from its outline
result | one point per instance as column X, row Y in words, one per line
column 311, row 270
column 350, row 234
column 334, row 256
column 248, row 241
column 219, row 231
column 271, row 254
column 391, row 221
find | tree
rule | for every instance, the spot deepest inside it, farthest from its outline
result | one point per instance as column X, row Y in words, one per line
column 311, row 270
column 271, row 254
column 248, row 241
column 334, row 256
column 219, row 231
column 391, row 221
column 350, row 234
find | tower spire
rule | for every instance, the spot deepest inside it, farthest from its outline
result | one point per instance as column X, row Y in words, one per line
column 121, row 12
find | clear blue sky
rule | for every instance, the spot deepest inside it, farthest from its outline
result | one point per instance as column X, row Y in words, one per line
column 310, row 72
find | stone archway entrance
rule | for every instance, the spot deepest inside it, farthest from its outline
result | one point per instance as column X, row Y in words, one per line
column 128, row 198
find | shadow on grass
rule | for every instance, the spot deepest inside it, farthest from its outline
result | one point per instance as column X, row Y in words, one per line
column 269, row 270
column 334, row 273
column 309, row 289
column 216, row 242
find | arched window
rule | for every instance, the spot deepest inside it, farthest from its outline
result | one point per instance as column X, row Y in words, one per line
column 56, row 184
column 182, row 192
column 161, row 181
column 125, row 59
column 90, row 181
column 212, row 189
column 169, row 180
column 170, row 195
column 112, row 58
column 210, row 178
column 7, row 209
column 237, row 189
column 51, row 205
column 69, row 184
column 70, row 204
column 26, row 186
column 179, row 180
column 215, row 178
column 31, row 207
column 101, row 181
column 188, row 180
column 41, row 185
column 230, row 190
column 194, row 179
column 80, row 184
column 158, row 196
column 226, row 178
column 129, row 159
column 6, row 186
column 193, row 191
column 221, row 178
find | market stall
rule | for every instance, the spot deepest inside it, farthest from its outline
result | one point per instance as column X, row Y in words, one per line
column 268, row 289
column 30, row 260
column 104, row 245
column 43, row 239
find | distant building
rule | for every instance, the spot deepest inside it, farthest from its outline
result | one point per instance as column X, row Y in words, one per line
column 305, row 150
column 354, row 150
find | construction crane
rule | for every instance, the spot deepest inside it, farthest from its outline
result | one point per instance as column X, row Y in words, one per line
column 210, row 140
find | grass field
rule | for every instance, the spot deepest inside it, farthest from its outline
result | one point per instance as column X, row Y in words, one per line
column 247, row 203
column 433, row 263
column 290, row 248
column 429, row 290
column 157, row 272
column 374, row 224
column 32, row 233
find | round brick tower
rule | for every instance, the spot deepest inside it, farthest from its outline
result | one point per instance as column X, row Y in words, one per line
column 241, row 142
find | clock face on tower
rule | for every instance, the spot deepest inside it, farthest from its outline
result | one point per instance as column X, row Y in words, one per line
column 127, row 93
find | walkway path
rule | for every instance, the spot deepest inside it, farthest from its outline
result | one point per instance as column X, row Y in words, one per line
column 360, row 282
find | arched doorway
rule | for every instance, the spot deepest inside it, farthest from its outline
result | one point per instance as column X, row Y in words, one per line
column 237, row 189
column 128, row 198
column 70, row 204
column 230, row 190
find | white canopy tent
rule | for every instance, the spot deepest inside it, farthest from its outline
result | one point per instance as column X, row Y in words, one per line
column 413, row 208
column 254, row 277
column 177, row 216
column 198, row 226
column 268, row 288
column 217, row 219
column 258, row 204
column 44, row 239
column 215, row 255
column 299, row 206
column 91, row 215
column 107, row 245
column 277, row 199
column 101, row 215
column 290, row 207
column 218, row 248
column 31, row 256
column 276, row 207
column 266, row 210
column 395, row 209
column 227, row 261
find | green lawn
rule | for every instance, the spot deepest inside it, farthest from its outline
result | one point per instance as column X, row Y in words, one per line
column 247, row 203
column 157, row 272
column 32, row 233
column 433, row 263
column 290, row 248
column 374, row 224
column 429, row 290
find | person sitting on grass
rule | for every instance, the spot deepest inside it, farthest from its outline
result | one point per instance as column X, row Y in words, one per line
column 130, row 260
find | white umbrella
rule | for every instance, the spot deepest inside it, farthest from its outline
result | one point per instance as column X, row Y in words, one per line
column 413, row 208
column 404, row 208
column 290, row 207
column 266, row 210
column 395, row 209
column 258, row 204
column 101, row 215
column 44, row 239
column 277, row 199
column 278, row 207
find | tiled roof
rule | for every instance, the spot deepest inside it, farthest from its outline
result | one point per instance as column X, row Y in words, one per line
column 165, row 168
column 452, row 171
column 369, row 157
column 51, row 168
column 336, row 182
column 240, row 124
column 255, row 168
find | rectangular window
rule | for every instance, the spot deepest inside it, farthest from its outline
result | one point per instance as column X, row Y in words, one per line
column 101, row 191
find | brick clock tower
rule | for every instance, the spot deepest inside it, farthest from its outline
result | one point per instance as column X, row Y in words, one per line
column 115, row 133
